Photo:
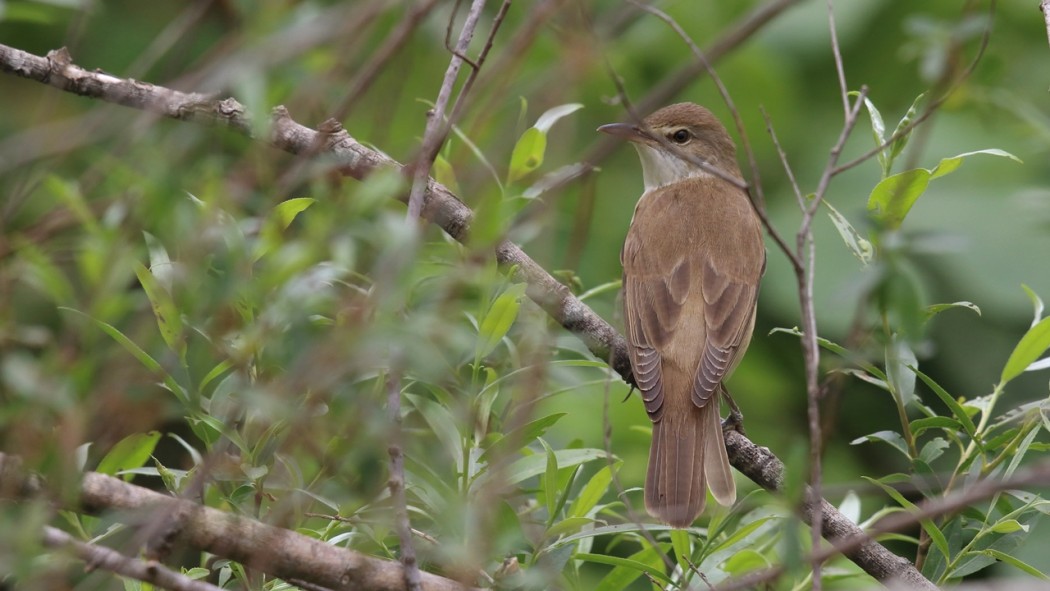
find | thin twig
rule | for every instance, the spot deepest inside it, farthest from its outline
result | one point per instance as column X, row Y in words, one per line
column 437, row 127
column 839, row 69
column 397, row 482
column 149, row 571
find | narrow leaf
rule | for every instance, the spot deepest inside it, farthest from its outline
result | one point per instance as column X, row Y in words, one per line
column 1037, row 303
column 169, row 320
column 1016, row 563
column 129, row 453
column 898, row 144
column 951, row 403
column 935, row 309
column 949, row 165
column 593, row 491
column 1032, row 345
column 931, row 528
column 551, row 116
column 858, row 245
column 498, row 320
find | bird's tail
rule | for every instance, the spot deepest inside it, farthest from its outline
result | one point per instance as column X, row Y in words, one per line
column 687, row 457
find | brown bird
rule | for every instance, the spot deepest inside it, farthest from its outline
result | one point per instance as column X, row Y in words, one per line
column 692, row 262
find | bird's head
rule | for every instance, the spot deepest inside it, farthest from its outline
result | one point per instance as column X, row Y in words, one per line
column 672, row 140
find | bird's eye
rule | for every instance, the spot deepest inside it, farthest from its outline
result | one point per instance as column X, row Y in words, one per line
column 681, row 136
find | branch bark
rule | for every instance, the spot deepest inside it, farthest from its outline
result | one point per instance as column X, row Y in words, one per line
column 279, row 552
column 443, row 208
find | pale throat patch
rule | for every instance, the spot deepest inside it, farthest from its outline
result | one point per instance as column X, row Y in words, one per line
column 660, row 168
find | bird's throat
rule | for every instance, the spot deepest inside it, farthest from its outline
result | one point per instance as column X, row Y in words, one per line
column 661, row 168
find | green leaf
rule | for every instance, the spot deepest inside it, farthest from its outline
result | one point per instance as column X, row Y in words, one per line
column 593, row 491
column 931, row 528
column 1008, row 526
column 569, row 525
column 144, row 358
column 536, row 464
column 947, row 423
column 443, row 424
column 286, row 211
column 680, row 543
column 1032, row 345
column 527, row 155
column 520, row 437
column 551, row 116
column 44, row 275
column 169, row 320
column 892, row 199
column 948, row 165
column 444, row 174
column 878, row 132
column 957, row 410
column 898, row 144
column 1016, row 563
column 129, row 453
column 891, row 437
column 933, row 449
column 627, row 569
column 1037, row 303
column 498, row 320
column 857, row 244
column 936, row 309
column 550, row 480
column 900, row 357
column 277, row 222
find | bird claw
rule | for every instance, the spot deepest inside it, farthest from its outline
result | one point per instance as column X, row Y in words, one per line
column 734, row 422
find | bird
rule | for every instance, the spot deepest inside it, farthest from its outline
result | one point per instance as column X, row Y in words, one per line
column 692, row 261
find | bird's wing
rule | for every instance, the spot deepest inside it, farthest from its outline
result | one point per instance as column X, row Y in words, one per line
column 652, row 307
column 729, row 313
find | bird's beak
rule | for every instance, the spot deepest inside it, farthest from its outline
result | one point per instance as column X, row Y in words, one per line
column 627, row 131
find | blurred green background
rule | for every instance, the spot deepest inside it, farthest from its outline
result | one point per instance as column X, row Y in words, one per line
column 68, row 162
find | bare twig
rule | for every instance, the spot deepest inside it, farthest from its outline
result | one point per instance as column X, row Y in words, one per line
column 397, row 482
column 149, row 571
column 843, row 89
column 437, row 127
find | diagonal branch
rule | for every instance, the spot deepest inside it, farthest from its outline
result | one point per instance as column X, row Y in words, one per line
column 442, row 207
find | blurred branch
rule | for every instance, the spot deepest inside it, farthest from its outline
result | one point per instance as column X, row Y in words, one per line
column 443, row 208
column 279, row 552
column 397, row 482
column 105, row 558
column 437, row 125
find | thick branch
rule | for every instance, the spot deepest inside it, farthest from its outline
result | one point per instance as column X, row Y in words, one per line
column 444, row 209
column 273, row 550
column 105, row 558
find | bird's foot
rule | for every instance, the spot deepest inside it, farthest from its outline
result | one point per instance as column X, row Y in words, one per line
column 734, row 422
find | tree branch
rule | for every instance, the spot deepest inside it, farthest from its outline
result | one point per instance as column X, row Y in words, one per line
column 143, row 570
column 441, row 207
column 279, row 552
